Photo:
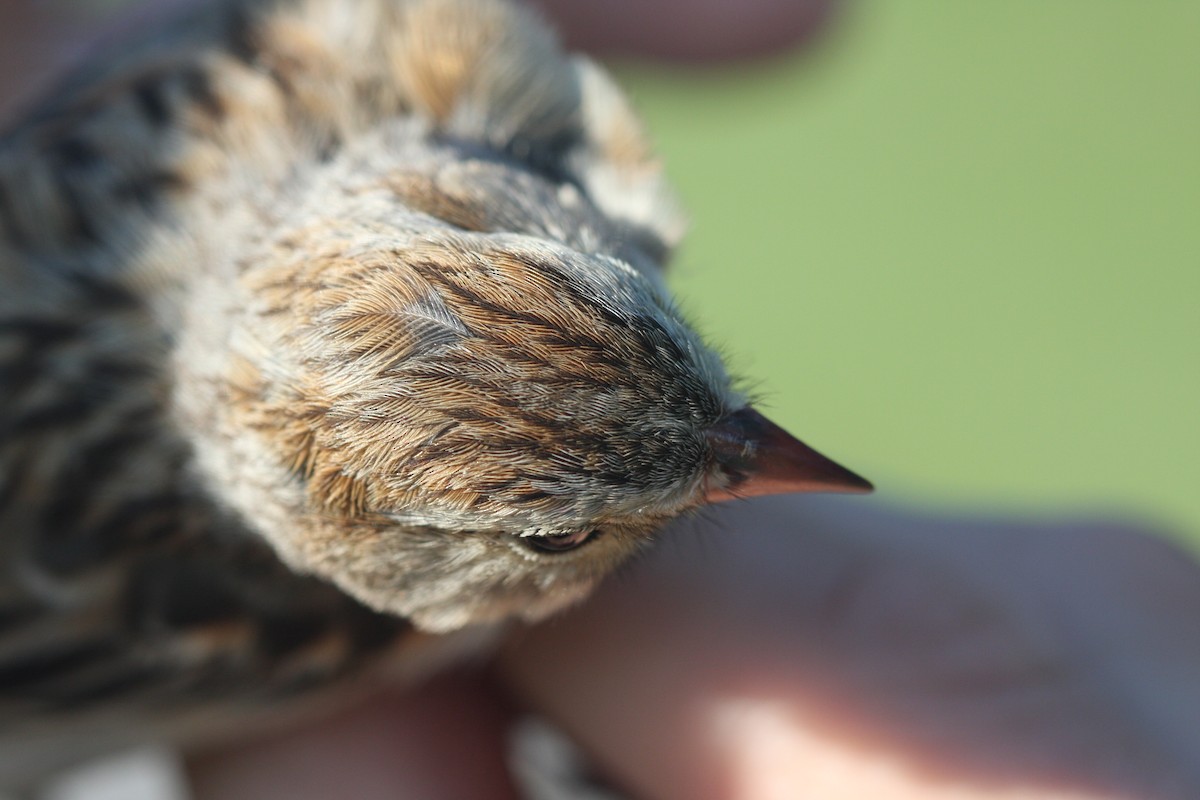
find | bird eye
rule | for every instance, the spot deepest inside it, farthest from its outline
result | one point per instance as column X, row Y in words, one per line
column 558, row 542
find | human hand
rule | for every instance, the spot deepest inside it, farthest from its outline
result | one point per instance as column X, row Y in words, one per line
column 799, row 647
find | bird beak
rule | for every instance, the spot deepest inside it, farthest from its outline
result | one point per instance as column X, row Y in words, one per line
column 764, row 459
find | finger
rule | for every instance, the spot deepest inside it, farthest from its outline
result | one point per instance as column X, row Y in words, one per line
column 688, row 29
column 858, row 654
column 443, row 741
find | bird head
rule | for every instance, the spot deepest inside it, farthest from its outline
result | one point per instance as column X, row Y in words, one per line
column 455, row 385
column 473, row 426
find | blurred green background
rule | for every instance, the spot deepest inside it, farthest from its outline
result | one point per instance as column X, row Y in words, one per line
column 956, row 246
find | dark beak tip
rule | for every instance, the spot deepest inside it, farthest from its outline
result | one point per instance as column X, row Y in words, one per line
column 856, row 484
column 815, row 475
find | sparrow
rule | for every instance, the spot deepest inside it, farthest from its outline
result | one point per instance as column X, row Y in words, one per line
column 331, row 333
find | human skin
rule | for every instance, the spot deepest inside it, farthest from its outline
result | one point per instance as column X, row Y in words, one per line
column 795, row 646
column 813, row 647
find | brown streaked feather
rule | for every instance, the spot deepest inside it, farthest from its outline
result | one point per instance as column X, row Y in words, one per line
column 271, row 161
